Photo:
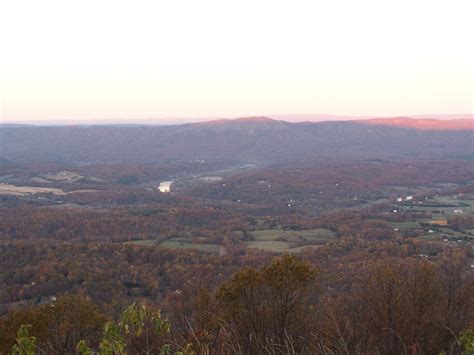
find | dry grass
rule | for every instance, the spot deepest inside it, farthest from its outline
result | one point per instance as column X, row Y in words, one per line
column 7, row 189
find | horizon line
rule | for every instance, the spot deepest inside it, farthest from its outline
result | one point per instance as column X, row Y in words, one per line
column 290, row 118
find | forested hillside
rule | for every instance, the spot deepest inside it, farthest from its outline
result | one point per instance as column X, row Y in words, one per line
column 247, row 140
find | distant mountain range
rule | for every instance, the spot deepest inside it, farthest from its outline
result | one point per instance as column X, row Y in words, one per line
column 321, row 118
column 294, row 118
column 249, row 140
column 423, row 123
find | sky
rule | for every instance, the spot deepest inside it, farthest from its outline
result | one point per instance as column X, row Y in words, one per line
column 88, row 60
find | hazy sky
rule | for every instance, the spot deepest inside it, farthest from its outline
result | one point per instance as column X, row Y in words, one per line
column 136, row 59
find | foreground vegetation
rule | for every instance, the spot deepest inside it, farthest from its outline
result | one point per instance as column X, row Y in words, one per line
column 391, row 306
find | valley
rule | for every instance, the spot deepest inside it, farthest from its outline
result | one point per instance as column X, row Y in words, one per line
column 184, row 222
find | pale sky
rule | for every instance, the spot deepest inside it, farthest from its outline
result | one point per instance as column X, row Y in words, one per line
column 201, row 58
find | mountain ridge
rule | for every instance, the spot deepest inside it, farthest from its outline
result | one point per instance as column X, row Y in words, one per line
column 401, row 122
column 250, row 140
column 422, row 123
column 168, row 121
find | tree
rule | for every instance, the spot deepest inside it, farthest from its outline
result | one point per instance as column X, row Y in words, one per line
column 57, row 326
column 268, row 308
column 141, row 330
column 143, row 326
column 25, row 343
column 466, row 342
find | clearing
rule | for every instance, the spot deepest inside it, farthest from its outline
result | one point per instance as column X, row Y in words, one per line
column 7, row 189
column 279, row 241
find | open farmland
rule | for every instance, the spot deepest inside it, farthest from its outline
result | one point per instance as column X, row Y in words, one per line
column 272, row 240
column 7, row 189
column 443, row 218
column 459, row 204
column 279, row 241
column 178, row 243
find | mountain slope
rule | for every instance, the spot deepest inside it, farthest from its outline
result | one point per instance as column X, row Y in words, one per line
column 246, row 140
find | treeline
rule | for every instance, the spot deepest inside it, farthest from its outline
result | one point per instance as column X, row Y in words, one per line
column 386, row 306
column 111, row 274
column 117, row 224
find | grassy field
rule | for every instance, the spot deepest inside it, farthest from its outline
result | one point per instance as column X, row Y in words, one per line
column 438, row 210
column 7, row 189
column 279, row 241
column 406, row 225
column 440, row 205
column 442, row 208
column 145, row 243
column 272, row 240
column 177, row 244
column 269, row 245
column 272, row 234
column 303, row 247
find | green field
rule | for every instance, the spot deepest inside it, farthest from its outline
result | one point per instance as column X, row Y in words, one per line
column 177, row 244
column 145, row 243
column 439, row 209
column 301, row 248
column 401, row 225
column 279, row 241
column 405, row 225
column 308, row 234
column 273, row 240
column 269, row 245
column 442, row 205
